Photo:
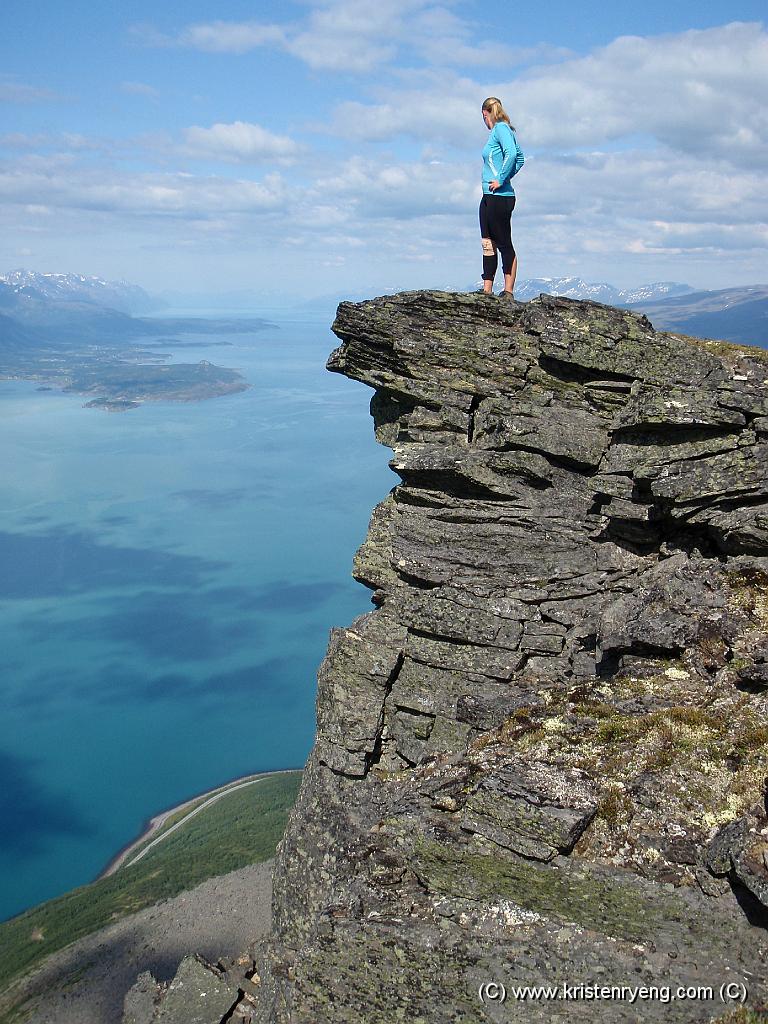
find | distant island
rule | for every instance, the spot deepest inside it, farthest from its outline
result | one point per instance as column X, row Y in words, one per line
column 118, row 379
column 54, row 329
column 121, row 386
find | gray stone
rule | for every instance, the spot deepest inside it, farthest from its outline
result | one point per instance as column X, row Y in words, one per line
column 485, row 711
column 753, row 874
column 448, row 737
column 472, row 660
column 744, row 396
column 141, row 1000
column 715, row 887
column 725, row 845
column 409, row 731
column 667, row 407
column 198, row 994
column 584, row 664
column 571, row 433
column 743, row 472
column 373, row 562
column 439, row 614
column 736, row 531
column 542, row 643
column 354, row 679
column 535, row 810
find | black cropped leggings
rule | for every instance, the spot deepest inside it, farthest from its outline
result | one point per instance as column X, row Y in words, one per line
column 496, row 224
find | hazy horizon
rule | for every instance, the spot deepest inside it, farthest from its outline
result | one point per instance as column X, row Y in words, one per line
column 254, row 301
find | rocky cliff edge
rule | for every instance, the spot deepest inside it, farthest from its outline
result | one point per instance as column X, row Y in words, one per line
column 542, row 759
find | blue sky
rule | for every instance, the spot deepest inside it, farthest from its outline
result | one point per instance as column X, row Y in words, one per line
column 314, row 147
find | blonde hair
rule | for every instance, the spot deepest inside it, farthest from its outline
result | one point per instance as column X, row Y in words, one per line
column 497, row 112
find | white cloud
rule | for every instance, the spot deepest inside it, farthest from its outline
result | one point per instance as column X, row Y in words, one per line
column 23, row 140
column 354, row 37
column 145, row 34
column 571, row 211
column 404, row 191
column 14, row 91
column 440, row 37
column 659, row 185
column 64, row 143
column 230, row 36
column 699, row 92
column 340, row 35
column 70, row 188
column 240, row 141
column 139, row 89
column 453, row 106
column 646, row 150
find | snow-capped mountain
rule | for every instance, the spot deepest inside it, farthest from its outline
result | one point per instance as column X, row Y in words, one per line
column 576, row 288
column 571, row 287
column 654, row 292
column 120, row 295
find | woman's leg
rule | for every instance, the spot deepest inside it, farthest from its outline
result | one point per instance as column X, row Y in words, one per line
column 509, row 279
column 490, row 257
column 490, row 265
column 501, row 232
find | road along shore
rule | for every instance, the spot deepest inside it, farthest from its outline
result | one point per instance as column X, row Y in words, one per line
column 153, row 825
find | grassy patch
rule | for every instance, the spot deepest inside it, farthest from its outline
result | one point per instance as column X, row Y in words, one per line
column 728, row 350
column 608, row 904
column 745, row 1015
column 694, row 742
column 241, row 828
column 169, row 822
column 749, row 594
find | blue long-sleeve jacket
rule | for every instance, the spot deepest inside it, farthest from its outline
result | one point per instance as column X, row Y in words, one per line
column 499, row 155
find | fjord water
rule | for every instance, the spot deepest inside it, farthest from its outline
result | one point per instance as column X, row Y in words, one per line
column 168, row 577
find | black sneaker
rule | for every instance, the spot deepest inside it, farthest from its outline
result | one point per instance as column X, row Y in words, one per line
column 507, row 295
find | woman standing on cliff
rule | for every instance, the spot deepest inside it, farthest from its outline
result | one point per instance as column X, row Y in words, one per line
column 502, row 158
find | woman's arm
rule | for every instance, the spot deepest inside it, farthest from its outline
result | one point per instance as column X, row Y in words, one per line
column 508, row 146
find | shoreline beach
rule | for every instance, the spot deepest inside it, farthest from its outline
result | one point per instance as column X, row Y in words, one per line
column 155, row 823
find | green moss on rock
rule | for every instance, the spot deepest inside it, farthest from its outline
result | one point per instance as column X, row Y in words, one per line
column 605, row 903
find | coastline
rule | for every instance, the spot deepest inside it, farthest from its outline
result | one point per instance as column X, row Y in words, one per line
column 92, row 938
column 155, row 823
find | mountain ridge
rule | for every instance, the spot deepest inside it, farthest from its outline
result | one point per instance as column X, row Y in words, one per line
column 77, row 305
column 119, row 295
column 578, row 288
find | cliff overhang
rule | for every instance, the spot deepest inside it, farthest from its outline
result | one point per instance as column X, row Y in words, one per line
column 542, row 758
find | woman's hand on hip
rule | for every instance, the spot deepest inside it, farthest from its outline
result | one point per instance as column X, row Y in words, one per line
column 493, row 185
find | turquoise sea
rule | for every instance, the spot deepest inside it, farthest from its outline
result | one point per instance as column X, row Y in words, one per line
column 168, row 578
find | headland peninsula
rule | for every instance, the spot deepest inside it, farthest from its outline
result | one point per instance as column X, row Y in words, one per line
column 117, row 375
column 115, row 359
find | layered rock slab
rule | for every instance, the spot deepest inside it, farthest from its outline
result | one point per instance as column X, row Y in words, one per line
column 542, row 759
